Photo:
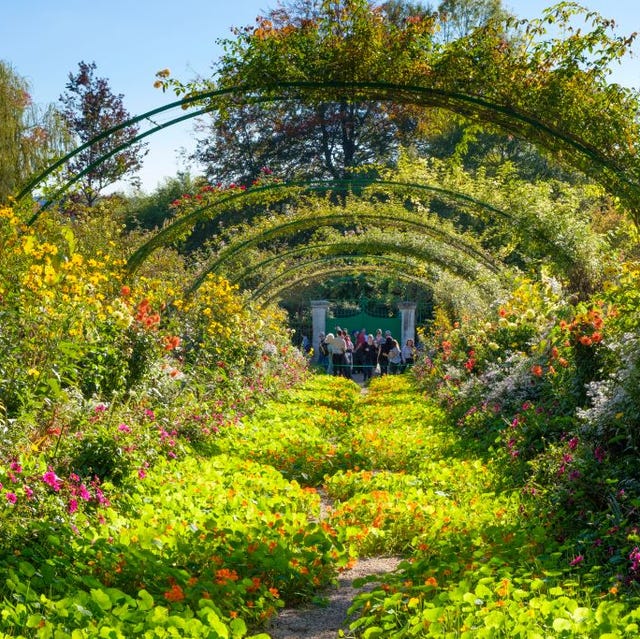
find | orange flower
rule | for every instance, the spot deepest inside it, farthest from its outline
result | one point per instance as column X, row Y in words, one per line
column 125, row 291
column 274, row 592
column 585, row 340
column 255, row 584
column 537, row 370
column 431, row 581
column 175, row 594
column 171, row 342
column 224, row 574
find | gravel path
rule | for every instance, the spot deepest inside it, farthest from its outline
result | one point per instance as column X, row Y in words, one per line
column 323, row 622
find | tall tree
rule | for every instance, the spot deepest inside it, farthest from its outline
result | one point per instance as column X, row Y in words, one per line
column 325, row 139
column 459, row 17
column 89, row 109
column 29, row 137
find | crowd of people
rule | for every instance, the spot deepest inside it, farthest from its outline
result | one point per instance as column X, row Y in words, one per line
column 341, row 353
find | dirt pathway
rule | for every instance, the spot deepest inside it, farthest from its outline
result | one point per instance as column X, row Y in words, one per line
column 324, row 621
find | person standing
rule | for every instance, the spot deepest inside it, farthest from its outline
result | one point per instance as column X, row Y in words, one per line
column 395, row 358
column 408, row 355
column 323, row 352
column 339, row 350
column 348, row 355
column 386, row 346
column 329, row 340
column 361, row 340
column 369, row 357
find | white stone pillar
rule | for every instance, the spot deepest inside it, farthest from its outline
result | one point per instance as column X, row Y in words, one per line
column 407, row 321
column 319, row 310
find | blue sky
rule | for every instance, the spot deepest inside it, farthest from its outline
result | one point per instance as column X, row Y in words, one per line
column 129, row 40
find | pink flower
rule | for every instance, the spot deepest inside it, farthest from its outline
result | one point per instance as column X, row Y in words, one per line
column 52, row 480
column 15, row 467
column 28, row 492
column 142, row 473
column 573, row 443
column 73, row 505
column 124, row 428
column 576, row 560
column 83, row 493
column 11, row 498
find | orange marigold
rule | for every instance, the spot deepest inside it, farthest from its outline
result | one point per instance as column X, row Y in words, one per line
column 225, row 574
column 537, row 370
column 175, row 594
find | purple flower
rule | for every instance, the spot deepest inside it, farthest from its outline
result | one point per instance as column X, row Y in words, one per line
column 599, row 453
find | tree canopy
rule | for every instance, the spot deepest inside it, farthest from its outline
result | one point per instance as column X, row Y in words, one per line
column 505, row 74
column 90, row 108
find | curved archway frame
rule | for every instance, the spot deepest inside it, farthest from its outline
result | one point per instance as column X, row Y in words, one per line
column 328, row 220
column 583, row 155
column 368, row 248
column 284, row 281
column 299, row 187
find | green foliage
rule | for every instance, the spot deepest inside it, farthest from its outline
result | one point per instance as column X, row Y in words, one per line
column 151, row 211
column 357, row 56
